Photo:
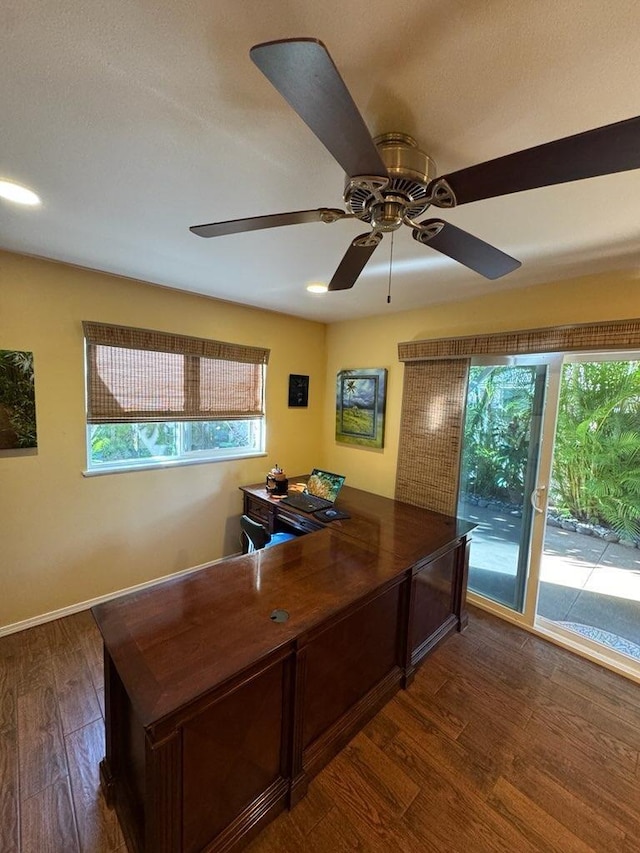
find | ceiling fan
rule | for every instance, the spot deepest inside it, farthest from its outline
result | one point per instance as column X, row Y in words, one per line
column 390, row 182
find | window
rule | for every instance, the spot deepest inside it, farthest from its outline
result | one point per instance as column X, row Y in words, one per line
column 155, row 398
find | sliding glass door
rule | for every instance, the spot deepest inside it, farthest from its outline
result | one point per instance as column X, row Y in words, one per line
column 499, row 486
column 550, row 473
column 590, row 572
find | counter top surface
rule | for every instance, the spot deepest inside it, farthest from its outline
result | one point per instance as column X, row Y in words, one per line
column 391, row 525
column 183, row 637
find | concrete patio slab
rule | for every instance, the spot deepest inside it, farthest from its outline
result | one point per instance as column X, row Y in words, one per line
column 584, row 581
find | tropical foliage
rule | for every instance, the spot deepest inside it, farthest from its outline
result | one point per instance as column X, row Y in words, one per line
column 17, row 400
column 497, row 429
column 130, row 441
column 596, row 471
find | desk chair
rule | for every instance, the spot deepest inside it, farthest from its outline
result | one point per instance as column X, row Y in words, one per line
column 259, row 537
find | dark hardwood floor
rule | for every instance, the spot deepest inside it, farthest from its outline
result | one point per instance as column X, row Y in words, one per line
column 503, row 743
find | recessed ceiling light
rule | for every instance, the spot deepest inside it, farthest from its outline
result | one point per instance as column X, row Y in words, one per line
column 18, row 194
column 317, row 287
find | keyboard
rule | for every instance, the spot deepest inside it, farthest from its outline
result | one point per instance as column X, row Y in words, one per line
column 307, row 503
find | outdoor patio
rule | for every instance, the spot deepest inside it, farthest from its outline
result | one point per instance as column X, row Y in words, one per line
column 587, row 585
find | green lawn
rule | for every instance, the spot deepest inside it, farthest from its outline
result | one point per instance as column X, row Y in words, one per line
column 357, row 427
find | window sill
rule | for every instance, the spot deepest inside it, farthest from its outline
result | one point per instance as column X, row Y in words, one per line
column 169, row 463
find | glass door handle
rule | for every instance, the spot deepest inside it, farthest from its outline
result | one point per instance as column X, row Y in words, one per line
column 533, row 497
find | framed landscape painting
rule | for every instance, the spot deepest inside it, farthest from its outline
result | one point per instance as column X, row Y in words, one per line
column 17, row 400
column 360, row 406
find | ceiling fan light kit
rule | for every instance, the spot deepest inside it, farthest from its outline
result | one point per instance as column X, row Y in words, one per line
column 390, row 181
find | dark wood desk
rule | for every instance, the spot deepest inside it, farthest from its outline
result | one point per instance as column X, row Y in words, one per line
column 217, row 716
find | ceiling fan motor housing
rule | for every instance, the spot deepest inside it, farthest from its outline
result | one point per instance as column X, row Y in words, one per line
column 410, row 171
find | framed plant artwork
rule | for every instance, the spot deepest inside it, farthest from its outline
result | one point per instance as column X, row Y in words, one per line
column 360, row 406
column 298, row 391
column 17, row 400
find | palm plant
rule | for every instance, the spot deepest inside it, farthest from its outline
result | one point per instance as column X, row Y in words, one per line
column 596, row 473
column 497, row 429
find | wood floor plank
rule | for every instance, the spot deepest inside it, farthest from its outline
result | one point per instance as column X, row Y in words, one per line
column 65, row 633
column 595, row 783
column 354, row 778
column 34, row 663
column 281, row 836
column 463, row 822
column 383, row 776
column 335, row 834
column 381, row 730
column 447, row 758
column 472, row 692
column 431, row 680
column 393, row 835
column 313, row 807
column 47, row 821
column 493, row 736
column 8, row 691
column 9, row 808
column 513, row 671
column 585, row 735
column 438, row 711
column 601, row 687
column 98, row 827
column 77, row 700
column 91, row 643
column 484, row 628
column 578, row 816
column 9, row 662
column 534, row 822
column 42, row 759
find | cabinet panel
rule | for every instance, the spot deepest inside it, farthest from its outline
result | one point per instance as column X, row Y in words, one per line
column 231, row 752
column 432, row 594
column 347, row 660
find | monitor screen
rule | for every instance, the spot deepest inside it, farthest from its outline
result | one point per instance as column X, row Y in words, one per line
column 324, row 484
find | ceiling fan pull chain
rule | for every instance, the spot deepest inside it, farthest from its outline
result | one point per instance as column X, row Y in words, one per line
column 390, row 263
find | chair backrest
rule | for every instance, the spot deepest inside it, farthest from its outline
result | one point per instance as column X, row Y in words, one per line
column 257, row 535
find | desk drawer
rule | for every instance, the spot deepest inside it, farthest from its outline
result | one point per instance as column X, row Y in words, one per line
column 258, row 510
column 298, row 521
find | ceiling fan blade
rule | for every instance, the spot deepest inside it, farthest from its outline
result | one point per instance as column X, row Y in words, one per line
column 603, row 151
column 305, row 75
column 354, row 261
column 275, row 220
column 465, row 248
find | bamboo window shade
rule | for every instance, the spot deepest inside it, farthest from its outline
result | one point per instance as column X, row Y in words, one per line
column 585, row 337
column 140, row 375
column 434, row 397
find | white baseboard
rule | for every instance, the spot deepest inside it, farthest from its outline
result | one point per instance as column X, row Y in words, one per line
column 14, row 627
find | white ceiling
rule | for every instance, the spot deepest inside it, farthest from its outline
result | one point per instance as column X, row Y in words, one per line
column 135, row 119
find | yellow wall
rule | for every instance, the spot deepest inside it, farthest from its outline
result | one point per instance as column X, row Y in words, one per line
column 65, row 538
column 373, row 342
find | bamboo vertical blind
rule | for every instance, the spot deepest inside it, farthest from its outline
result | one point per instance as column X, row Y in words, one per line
column 431, row 429
column 138, row 375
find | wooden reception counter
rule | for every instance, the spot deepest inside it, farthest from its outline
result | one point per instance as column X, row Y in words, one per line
column 217, row 715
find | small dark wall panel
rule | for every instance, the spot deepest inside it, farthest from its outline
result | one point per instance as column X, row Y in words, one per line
column 347, row 660
column 231, row 754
